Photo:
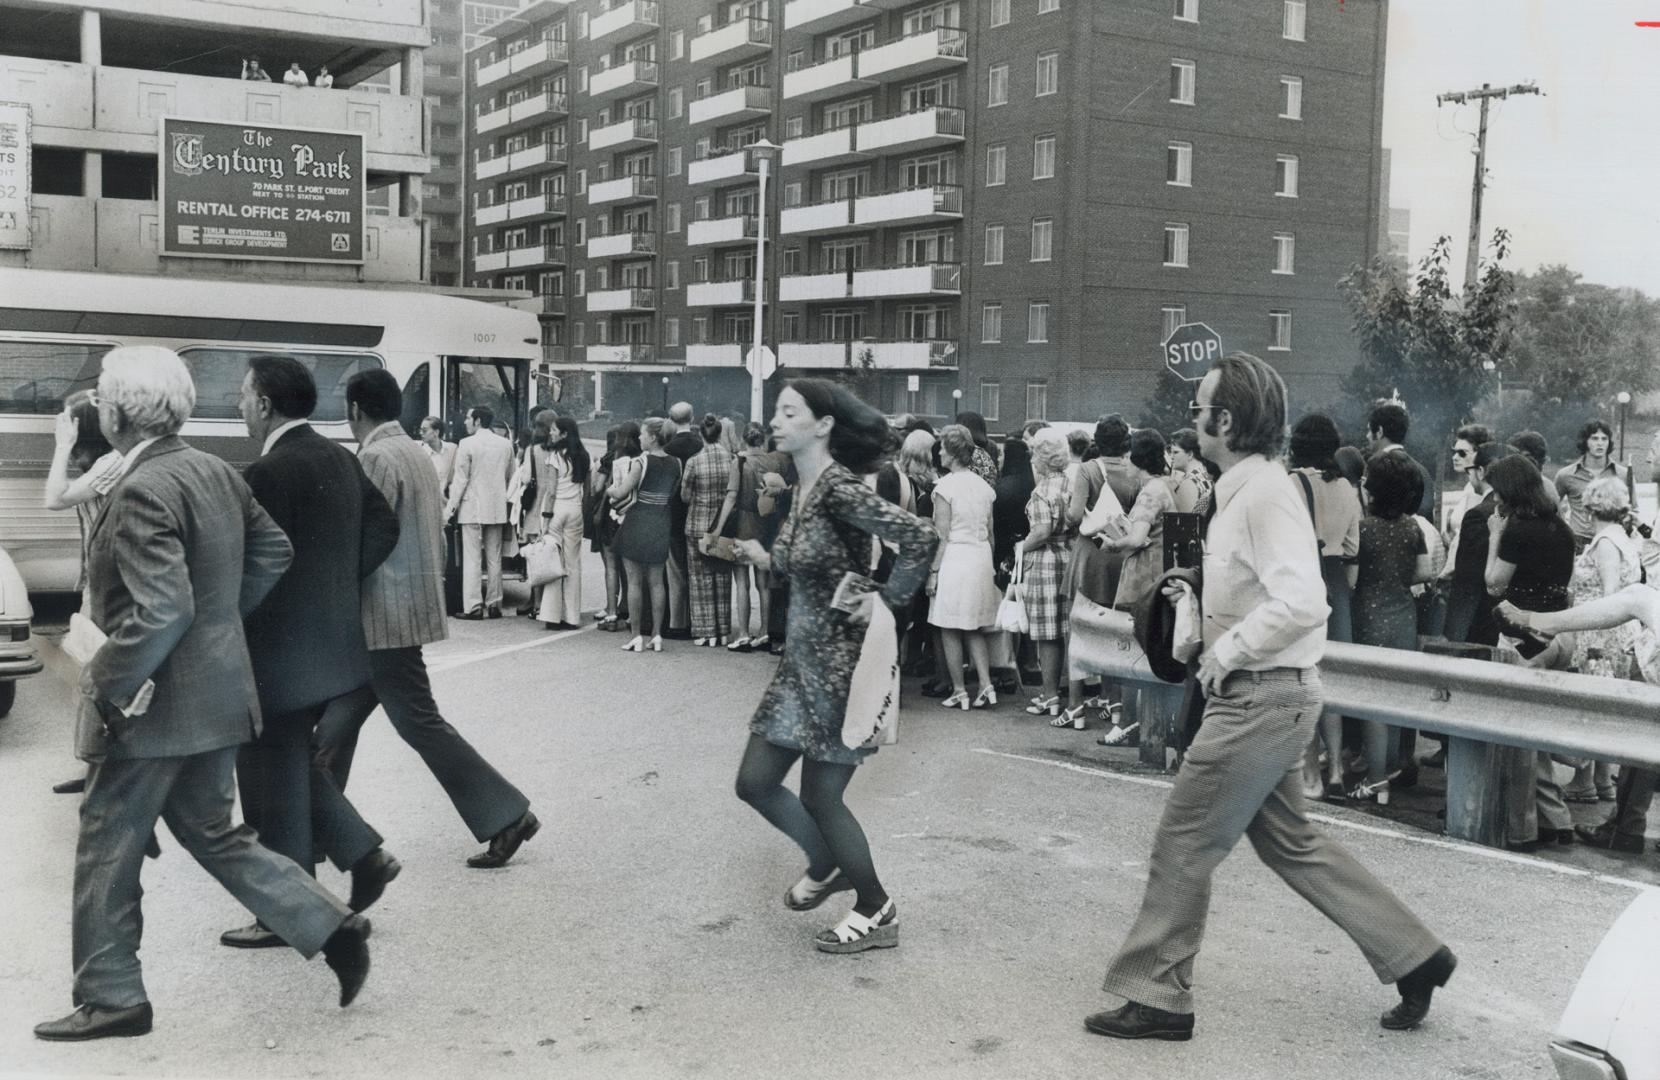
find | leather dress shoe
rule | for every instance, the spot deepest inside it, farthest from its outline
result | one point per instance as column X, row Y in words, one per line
column 97, row 1022
column 505, row 843
column 1133, row 1020
column 370, row 876
column 493, row 613
column 1605, row 836
column 474, row 615
column 70, row 787
column 252, row 936
column 1416, row 987
column 347, row 953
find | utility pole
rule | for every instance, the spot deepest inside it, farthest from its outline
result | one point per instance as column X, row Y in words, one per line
column 1486, row 94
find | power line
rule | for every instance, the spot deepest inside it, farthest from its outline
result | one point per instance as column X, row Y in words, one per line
column 1485, row 95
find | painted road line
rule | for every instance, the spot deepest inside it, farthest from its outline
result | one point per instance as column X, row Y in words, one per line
column 505, row 650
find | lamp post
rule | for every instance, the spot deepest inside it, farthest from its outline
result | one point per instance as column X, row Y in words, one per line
column 1624, row 398
column 665, row 395
column 956, row 402
column 765, row 154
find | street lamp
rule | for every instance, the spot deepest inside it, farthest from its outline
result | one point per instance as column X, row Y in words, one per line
column 665, row 395
column 765, row 154
column 956, row 402
column 1624, row 398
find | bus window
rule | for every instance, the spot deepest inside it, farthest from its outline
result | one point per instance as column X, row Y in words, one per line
column 36, row 376
column 218, row 374
column 416, row 406
column 497, row 385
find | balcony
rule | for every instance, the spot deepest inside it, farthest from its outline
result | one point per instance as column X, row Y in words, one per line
column 637, row 352
column 59, row 94
column 504, row 162
column 826, row 148
column 831, row 285
column 631, row 17
column 738, row 40
column 623, row 190
column 881, row 355
column 525, row 113
column 923, row 279
column 629, row 134
column 726, row 230
column 514, row 258
column 545, row 204
column 550, row 304
column 720, row 293
column 919, row 54
column 816, row 218
column 935, row 203
column 822, row 16
column 832, row 78
column 730, row 106
column 628, row 77
column 938, row 125
column 725, row 165
column 631, row 299
column 545, row 55
column 729, row 354
column 622, row 245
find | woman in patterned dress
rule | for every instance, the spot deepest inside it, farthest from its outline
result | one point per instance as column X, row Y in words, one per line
column 833, row 438
column 643, row 537
column 703, row 490
column 1045, row 553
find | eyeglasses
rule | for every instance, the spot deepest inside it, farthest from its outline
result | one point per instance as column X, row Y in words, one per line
column 1196, row 410
column 1461, row 453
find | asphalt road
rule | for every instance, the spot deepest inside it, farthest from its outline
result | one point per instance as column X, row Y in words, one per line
column 641, row 934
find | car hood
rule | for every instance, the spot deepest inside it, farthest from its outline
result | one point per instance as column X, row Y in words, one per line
column 14, row 597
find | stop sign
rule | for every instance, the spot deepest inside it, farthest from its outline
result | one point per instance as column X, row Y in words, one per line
column 1191, row 349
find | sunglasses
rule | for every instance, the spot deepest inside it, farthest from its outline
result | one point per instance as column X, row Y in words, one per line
column 1462, row 453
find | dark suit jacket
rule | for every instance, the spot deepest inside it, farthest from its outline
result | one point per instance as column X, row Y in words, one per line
column 307, row 637
column 180, row 554
column 1469, row 608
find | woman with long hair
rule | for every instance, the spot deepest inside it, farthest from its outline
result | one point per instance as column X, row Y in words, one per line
column 1045, row 554
column 703, row 487
column 833, row 439
column 566, row 468
column 643, row 490
column 79, row 443
column 622, row 446
column 963, row 597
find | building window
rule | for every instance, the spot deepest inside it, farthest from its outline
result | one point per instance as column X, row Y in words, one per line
column 671, row 333
column 581, row 25
column 793, row 193
column 1172, row 316
column 991, row 324
column 991, row 399
column 997, row 85
column 1037, row 321
column 795, row 60
column 1037, row 401
column 677, row 101
column 1048, row 74
column 1178, row 164
column 1046, row 6
column 1043, row 239
column 994, row 245
column 1285, row 253
column 1183, row 75
column 677, row 44
column 671, row 218
column 1175, row 244
column 671, row 274
column 792, row 260
column 1279, row 331
column 1285, row 175
column 1187, row 10
column 582, row 283
column 792, row 326
column 999, row 12
column 1296, row 19
column 674, row 160
column 1043, row 157
column 997, row 165
column 581, row 231
column 1291, row 97
column 581, row 130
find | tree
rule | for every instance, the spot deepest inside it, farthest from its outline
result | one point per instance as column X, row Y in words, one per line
column 1166, row 410
column 1578, row 344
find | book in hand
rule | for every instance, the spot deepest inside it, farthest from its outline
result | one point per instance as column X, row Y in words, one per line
column 851, row 595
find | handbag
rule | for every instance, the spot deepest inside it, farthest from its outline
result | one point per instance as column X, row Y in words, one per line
column 872, row 717
column 1011, row 612
column 544, row 561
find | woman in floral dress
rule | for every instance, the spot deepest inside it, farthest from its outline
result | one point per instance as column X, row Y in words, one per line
column 1045, row 553
column 833, row 438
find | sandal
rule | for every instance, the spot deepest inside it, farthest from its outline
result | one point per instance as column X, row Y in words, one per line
column 959, row 700
column 808, row 893
column 986, row 698
column 1121, row 736
column 740, row 645
column 760, row 644
column 1041, row 706
column 1072, row 718
column 856, row 933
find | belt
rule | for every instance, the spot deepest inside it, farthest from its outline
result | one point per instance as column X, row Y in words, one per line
column 1279, row 674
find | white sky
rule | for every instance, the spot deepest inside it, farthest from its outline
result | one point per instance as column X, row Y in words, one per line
column 1573, row 175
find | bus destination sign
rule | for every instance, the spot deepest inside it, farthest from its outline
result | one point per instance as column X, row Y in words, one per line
column 253, row 191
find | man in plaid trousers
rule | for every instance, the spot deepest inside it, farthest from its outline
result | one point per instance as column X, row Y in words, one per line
column 1264, row 619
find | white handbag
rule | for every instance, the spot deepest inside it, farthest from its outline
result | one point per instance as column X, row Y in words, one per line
column 1011, row 612
column 544, row 561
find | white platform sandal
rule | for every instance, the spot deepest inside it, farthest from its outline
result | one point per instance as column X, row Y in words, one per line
column 856, row 933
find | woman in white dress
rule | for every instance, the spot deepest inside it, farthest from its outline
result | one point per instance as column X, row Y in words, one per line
column 965, row 598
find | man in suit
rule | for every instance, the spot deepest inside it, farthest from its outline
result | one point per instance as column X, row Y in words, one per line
column 403, row 609
column 306, row 639
column 478, row 502
column 180, row 554
column 683, row 445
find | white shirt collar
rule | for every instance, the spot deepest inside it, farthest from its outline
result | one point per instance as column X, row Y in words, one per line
column 277, row 433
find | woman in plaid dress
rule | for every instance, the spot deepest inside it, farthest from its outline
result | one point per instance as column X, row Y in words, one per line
column 1045, row 554
column 703, row 489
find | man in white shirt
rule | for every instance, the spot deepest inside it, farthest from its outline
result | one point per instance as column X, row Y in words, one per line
column 1264, row 620
column 294, row 76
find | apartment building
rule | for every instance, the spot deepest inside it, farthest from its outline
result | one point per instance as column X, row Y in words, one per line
column 994, row 204
column 99, row 78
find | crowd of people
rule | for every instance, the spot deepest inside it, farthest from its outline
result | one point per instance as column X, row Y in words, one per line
column 294, row 76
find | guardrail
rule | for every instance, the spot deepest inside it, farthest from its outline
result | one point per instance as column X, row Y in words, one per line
column 1482, row 707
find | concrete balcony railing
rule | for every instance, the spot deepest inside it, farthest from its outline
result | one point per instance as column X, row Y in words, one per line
column 832, row 78
column 936, row 202
column 544, row 204
column 816, row 218
column 924, row 279
column 635, row 298
column 881, row 355
column 630, row 133
column 938, row 125
column 548, row 53
column 730, row 106
column 728, row 354
column 638, row 352
column 720, row 293
column 725, row 165
column 550, row 304
column 622, row 245
column 628, row 77
column 725, row 230
column 628, row 17
column 130, row 102
column 502, row 163
column 918, row 54
column 738, row 40
column 829, row 285
column 825, row 148
column 59, row 94
column 821, row 16
column 522, row 114
column 487, row 262
column 624, row 189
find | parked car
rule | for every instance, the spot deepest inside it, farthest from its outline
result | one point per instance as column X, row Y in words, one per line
column 18, row 655
column 1607, row 1030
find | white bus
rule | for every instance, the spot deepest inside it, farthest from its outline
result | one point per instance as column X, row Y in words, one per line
column 448, row 354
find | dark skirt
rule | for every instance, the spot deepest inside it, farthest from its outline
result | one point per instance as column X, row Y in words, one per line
column 1339, row 595
column 643, row 537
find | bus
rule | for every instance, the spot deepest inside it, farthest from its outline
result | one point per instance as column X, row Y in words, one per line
column 448, row 354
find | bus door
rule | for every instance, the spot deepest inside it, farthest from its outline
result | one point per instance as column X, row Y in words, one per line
column 502, row 386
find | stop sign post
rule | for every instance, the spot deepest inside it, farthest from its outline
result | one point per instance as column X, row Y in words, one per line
column 1191, row 349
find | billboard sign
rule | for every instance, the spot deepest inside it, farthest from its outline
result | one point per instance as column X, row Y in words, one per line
column 254, row 191
column 15, row 185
